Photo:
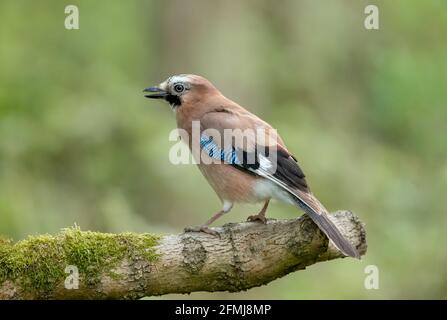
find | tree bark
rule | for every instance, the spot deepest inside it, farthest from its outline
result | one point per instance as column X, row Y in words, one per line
column 246, row 255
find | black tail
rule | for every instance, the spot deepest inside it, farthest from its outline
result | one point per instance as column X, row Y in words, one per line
column 330, row 230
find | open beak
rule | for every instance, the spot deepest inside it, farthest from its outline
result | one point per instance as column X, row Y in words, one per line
column 155, row 93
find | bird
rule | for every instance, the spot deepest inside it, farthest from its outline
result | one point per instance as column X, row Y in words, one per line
column 247, row 170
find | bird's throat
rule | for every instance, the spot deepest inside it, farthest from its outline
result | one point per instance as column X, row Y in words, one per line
column 173, row 100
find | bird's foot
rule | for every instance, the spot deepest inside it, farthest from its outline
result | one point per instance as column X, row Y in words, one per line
column 204, row 229
column 258, row 217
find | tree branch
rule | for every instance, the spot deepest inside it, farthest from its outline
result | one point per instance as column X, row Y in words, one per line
column 131, row 266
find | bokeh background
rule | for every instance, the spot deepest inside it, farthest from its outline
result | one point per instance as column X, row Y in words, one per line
column 364, row 111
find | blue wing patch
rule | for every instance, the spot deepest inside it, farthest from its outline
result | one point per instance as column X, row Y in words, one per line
column 212, row 149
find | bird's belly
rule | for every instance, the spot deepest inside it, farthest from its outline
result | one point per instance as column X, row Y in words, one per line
column 237, row 186
column 230, row 183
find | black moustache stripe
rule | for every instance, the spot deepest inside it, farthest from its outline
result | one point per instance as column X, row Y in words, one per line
column 173, row 100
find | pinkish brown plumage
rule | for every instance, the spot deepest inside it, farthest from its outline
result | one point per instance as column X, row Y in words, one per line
column 272, row 174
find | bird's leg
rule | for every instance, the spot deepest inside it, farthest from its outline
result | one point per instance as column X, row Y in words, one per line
column 261, row 215
column 205, row 227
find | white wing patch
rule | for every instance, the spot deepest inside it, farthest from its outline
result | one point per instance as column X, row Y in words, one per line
column 266, row 174
column 264, row 163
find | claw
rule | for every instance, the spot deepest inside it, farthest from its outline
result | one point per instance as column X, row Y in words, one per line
column 257, row 217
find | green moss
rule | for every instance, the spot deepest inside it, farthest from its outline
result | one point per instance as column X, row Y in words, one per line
column 39, row 262
column 37, row 257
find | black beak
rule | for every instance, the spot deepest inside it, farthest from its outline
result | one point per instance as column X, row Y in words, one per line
column 157, row 93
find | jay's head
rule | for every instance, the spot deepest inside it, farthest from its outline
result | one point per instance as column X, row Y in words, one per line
column 181, row 89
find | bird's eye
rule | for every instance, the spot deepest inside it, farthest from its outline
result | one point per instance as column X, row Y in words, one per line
column 179, row 88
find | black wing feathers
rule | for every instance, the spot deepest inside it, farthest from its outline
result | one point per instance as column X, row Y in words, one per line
column 289, row 172
column 287, row 169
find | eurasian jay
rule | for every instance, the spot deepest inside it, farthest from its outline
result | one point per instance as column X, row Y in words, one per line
column 247, row 170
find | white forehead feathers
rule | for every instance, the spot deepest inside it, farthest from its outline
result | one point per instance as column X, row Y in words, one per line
column 182, row 78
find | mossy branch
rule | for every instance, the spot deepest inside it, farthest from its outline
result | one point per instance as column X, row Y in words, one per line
column 130, row 266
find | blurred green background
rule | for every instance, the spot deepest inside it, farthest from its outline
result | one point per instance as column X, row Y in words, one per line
column 364, row 111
